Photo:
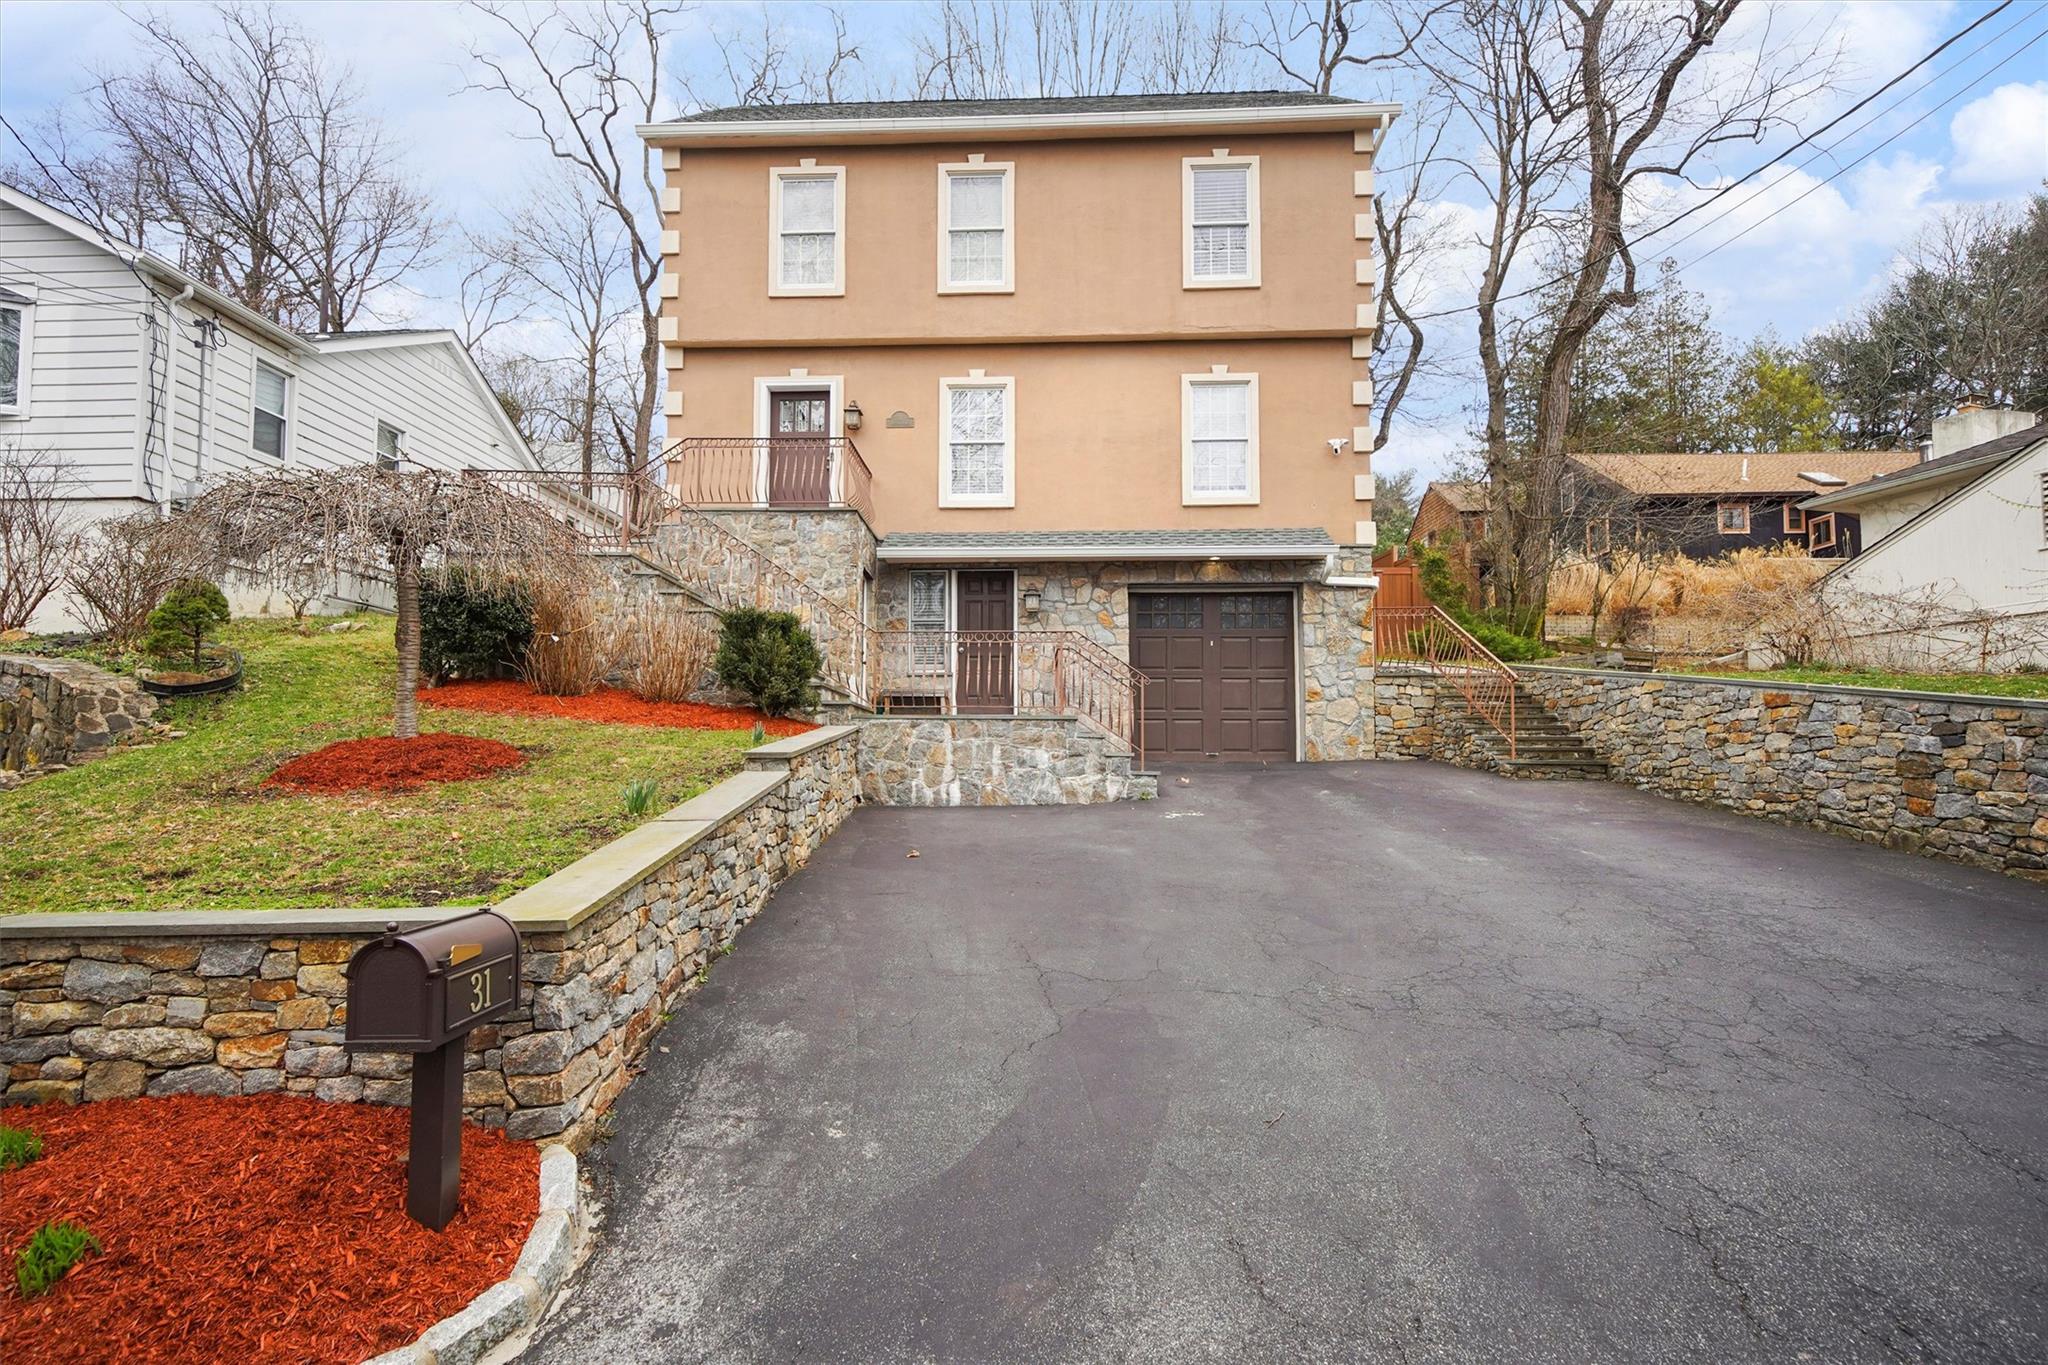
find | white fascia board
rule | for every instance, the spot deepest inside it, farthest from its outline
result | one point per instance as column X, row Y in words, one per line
column 1856, row 495
column 1017, row 127
column 987, row 554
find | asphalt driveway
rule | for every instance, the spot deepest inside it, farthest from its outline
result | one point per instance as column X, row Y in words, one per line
column 1344, row 1062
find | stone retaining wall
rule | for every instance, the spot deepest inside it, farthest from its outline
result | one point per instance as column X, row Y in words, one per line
column 1964, row 778
column 993, row 761
column 1412, row 720
column 62, row 711
column 99, row 1006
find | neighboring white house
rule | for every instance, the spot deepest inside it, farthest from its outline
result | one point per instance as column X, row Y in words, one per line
column 141, row 384
column 1954, row 568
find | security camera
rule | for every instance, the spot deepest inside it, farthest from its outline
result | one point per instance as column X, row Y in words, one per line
column 1337, row 444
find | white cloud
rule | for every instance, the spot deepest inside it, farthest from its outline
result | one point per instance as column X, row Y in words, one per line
column 2002, row 138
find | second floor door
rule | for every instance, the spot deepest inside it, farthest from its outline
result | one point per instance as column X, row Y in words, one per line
column 800, row 456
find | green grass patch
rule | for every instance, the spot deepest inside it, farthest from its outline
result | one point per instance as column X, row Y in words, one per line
column 187, row 824
column 2020, row 685
column 18, row 1147
column 51, row 1251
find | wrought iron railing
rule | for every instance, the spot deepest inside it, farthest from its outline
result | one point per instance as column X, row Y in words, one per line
column 964, row 672
column 1427, row 638
column 795, row 472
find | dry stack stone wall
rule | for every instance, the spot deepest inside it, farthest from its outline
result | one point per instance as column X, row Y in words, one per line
column 55, row 712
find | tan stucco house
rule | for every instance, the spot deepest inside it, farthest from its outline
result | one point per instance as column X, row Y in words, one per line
column 984, row 369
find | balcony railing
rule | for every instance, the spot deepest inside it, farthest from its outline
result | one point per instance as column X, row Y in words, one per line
column 1429, row 639
column 793, row 472
column 987, row 672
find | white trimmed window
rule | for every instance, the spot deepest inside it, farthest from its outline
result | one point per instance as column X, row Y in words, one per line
column 977, row 251
column 1220, row 213
column 273, row 402
column 977, row 446
column 807, row 210
column 1219, row 438
column 927, row 616
column 16, row 311
column 390, row 446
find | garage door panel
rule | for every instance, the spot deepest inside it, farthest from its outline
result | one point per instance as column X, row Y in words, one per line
column 1222, row 666
column 1234, row 654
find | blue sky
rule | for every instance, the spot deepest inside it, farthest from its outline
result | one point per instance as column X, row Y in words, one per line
column 1975, row 134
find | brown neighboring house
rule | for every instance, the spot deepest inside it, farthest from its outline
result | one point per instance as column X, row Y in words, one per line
column 985, row 368
column 1452, row 518
column 1708, row 504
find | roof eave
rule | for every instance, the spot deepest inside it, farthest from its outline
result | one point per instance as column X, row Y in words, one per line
column 1876, row 490
column 961, row 554
column 1019, row 127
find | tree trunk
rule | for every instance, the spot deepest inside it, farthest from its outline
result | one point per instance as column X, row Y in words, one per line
column 405, row 716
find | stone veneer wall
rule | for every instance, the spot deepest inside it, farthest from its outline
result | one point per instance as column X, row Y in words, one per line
column 1411, row 721
column 993, row 761
column 1964, row 778
column 830, row 550
column 60, row 711
column 97, row 1006
column 1334, row 630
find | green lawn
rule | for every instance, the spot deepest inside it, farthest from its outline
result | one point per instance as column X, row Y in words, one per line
column 2033, row 685
column 186, row 824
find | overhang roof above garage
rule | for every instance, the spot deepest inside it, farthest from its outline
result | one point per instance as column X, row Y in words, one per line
column 1265, row 542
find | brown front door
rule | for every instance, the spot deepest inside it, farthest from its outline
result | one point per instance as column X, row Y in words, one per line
column 982, row 680
column 800, row 456
column 1221, row 671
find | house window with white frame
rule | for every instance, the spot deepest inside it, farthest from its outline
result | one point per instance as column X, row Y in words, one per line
column 1220, row 197
column 390, row 446
column 14, row 353
column 927, row 618
column 977, row 253
column 1220, row 438
column 272, row 403
column 809, row 242
column 977, row 460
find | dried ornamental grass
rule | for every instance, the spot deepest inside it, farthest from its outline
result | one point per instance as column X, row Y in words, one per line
column 672, row 650
column 578, row 640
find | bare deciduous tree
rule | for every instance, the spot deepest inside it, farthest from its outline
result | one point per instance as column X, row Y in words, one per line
column 986, row 49
column 37, row 537
column 121, row 570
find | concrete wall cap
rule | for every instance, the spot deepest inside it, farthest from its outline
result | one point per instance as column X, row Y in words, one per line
column 1782, row 685
column 794, row 745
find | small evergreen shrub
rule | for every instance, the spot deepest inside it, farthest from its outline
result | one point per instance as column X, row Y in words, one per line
column 472, row 630
column 190, row 611
column 1441, row 587
column 51, row 1251
column 769, row 658
column 18, row 1147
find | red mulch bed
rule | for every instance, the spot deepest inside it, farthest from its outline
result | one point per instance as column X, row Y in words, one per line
column 611, row 705
column 267, row 1228
column 382, row 763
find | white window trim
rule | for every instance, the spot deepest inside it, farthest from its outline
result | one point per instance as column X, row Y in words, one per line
column 378, row 429
column 765, row 388
column 1008, row 497
column 949, row 169
column 1188, row 278
column 942, row 664
column 1188, row 496
column 18, row 409
column 776, row 288
column 260, row 360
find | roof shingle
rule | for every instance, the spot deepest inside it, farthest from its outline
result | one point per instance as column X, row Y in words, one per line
column 1067, row 104
column 1773, row 471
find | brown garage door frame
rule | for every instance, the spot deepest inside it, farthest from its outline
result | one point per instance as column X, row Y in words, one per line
column 1152, row 650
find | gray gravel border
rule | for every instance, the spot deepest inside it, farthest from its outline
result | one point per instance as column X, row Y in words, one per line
column 513, row 1304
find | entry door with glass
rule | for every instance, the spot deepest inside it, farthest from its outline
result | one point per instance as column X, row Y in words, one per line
column 800, row 455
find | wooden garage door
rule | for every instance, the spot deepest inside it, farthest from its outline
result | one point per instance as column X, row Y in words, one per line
column 1221, row 666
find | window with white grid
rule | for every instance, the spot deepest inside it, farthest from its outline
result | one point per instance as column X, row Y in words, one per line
column 978, row 450
column 975, row 247
column 809, row 240
column 1222, row 221
column 1220, row 439
column 928, row 620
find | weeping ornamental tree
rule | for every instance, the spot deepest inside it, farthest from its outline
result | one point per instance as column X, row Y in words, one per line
column 407, row 525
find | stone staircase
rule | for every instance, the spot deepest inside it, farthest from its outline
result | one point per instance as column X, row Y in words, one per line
column 1545, row 747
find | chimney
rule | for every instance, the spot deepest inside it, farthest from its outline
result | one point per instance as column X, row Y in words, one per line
column 1973, row 423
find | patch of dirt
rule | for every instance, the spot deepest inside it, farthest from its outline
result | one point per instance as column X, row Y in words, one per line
column 265, row 1228
column 609, row 705
column 383, row 763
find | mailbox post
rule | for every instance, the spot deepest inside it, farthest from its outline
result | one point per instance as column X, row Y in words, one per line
column 422, row 992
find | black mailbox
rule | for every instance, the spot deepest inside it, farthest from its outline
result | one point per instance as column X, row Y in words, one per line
column 422, row 992
column 414, row 992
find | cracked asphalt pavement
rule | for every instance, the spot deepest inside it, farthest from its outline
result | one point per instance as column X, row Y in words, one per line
column 1343, row 1062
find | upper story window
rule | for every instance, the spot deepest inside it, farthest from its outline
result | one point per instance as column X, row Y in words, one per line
column 1220, row 214
column 390, row 446
column 1219, row 438
column 15, row 311
column 977, row 448
column 273, row 396
column 807, row 206
column 977, row 253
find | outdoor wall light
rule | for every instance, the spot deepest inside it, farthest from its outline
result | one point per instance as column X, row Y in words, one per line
column 852, row 416
column 1031, row 599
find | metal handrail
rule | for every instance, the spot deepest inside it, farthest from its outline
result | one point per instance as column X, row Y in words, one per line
column 1429, row 637
column 1060, row 672
column 794, row 472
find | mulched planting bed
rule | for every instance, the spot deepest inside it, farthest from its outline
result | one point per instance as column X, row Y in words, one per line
column 611, row 705
column 382, row 763
column 267, row 1228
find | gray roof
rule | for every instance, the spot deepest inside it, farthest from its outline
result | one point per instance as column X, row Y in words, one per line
column 1260, row 541
column 2009, row 444
column 1070, row 104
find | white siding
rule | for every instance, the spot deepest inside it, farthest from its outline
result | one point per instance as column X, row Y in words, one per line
column 84, row 354
column 422, row 389
column 229, row 385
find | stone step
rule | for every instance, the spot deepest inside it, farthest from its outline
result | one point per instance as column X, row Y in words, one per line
column 1552, row 767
